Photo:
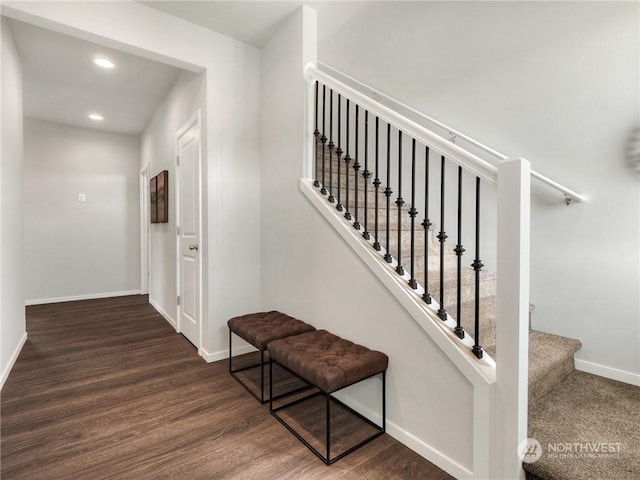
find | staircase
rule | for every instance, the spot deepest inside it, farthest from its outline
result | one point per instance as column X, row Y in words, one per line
column 554, row 384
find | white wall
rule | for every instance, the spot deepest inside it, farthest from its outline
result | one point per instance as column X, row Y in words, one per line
column 309, row 272
column 186, row 97
column 12, row 317
column 556, row 83
column 231, row 230
column 78, row 249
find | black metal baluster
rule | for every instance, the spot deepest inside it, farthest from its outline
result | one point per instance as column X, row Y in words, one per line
column 356, row 167
column 323, row 138
column 316, row 133
column 412, row 213
column 400, row 203
column 387, row 191
column 331, row 147
column 376, row 184
column 426, row 224
column 347, row 161
column 477, row 266
column 442, row 236
column 339, row 150
column 366, row 174
column 459, row 331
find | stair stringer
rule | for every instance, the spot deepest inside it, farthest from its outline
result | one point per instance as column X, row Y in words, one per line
column 481, row 373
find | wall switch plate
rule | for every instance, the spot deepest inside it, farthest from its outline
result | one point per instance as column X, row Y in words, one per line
column 82, row 197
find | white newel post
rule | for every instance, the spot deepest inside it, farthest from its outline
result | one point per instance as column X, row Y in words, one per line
column 512, row 325
column 308, row 170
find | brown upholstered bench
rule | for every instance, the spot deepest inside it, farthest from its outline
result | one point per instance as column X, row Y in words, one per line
column 329, row 363
column 259, row 329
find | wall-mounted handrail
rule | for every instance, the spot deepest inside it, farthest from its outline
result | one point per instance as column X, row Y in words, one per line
column 570, row 195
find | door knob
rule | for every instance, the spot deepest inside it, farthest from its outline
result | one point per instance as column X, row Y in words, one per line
column 193, row 247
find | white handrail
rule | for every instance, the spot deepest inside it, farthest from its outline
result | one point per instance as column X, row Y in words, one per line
column 569, row 194
column 453, row 152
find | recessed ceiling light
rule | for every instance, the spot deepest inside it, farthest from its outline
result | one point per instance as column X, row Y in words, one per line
column 96, row 117
column 103, row 62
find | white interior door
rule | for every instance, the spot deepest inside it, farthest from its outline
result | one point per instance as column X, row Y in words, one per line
column 188, row 230
column 144, row 230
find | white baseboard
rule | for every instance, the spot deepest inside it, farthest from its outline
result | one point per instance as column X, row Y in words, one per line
column 166, row 316
column 224, row 354
column 422, row 448
column 608, row 372
column 74, row 298
column 425, row 450
column 12, row 360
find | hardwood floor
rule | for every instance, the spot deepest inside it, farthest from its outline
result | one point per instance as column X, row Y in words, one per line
column 105, row 389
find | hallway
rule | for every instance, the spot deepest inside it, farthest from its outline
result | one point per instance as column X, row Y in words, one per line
column 106, row 389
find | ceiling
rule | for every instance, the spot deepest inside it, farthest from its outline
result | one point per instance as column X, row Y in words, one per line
column 250, row 22
column 62, row 84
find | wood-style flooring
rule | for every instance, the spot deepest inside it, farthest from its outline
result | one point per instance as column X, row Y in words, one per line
column 105, row 389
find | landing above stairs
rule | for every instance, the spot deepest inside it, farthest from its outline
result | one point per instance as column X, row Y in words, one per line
column 589, row 411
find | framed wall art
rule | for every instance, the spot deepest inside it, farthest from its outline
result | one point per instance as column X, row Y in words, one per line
column 153, row 190
column 159, row 191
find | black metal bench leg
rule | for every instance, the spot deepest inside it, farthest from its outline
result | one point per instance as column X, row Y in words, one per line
column 233, row 372
column 384, row 401
column 328, row 457
column 380, row 430
column 230, row 353
column 262, row 376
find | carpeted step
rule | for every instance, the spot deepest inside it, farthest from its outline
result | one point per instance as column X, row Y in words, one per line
column 405, row 223
column 551, row 357
column 487, row 338
column 405, row 242
column 467, row 286
column 370, row 194
column 551, row 360
column 331, row 178
column 584, row 413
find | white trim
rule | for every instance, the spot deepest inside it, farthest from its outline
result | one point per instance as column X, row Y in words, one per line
column 419, row 446
column 166, row 316
column 75, row 298
column 414, row 443
column 224, row 354
column 477, row 371
column 12, row 360
column 195, row 120
column 144, row 230
column 512, row 316
column 483, row 430
column 433, row 455
column 608, row 372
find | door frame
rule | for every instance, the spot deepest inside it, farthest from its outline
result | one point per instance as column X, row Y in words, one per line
column 196, row 119
column 144, row 230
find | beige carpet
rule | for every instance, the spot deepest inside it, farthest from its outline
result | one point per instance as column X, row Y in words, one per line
column 593, row 423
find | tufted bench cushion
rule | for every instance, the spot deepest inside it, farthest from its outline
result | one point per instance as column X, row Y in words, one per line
column 261, row 328
column 326, row 360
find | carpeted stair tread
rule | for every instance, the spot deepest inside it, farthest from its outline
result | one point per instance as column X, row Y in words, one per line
column 487, row 321
column 550, row 361
column 587, row 409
